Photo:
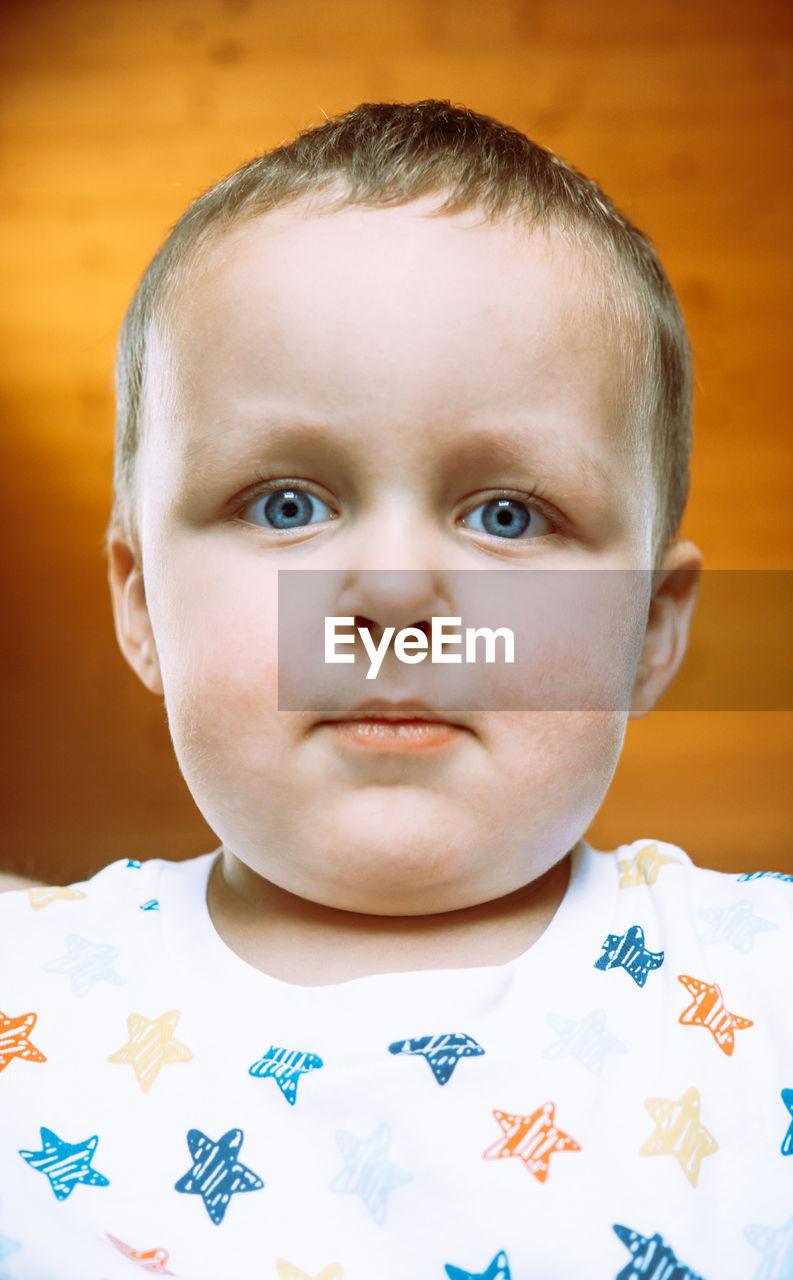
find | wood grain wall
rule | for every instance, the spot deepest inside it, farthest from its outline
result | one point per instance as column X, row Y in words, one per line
column 115, row 113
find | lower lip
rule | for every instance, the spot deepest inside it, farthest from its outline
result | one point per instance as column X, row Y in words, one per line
column 396, row 735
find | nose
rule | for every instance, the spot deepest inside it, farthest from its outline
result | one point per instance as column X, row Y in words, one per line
column 380, row 598
column 391, row 570
column 394, row 574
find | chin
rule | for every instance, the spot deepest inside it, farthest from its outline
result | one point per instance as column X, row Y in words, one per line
column 418, row 873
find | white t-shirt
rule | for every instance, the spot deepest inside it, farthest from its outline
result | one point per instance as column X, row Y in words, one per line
column 617, row 1102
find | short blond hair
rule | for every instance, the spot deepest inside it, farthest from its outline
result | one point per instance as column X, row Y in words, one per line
column 384, row 154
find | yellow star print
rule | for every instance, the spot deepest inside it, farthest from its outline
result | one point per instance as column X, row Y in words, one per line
column 679, row 1133
column 46, row 893
column 643, row 868
column 288, row 1271
column 150, row 1046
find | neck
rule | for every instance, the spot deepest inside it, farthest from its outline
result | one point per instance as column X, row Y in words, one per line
column 309, row 944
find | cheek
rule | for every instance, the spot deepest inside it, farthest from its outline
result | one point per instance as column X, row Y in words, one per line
column 574, row 640
column 223, row 721
column 559, row 764
column 217, row 644
column 221, row 697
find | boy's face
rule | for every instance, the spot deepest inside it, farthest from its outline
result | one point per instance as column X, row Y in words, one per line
column 398, row 372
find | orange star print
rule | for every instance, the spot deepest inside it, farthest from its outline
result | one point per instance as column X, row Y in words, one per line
column 708, row 1010
column 14, row 1042
column 153, row 1260
column 44, row 894
column 288, row 1271
column 533, row 1139
column 678, row 1133
column 151, row 1046
column 643, row 867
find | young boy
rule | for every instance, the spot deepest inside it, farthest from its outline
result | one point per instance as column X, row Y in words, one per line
column 405, row 1024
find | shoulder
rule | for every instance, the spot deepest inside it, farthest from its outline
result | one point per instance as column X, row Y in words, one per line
column 120, row 879
column 22, row 897
column 120, row 902
column 653, row 862
column 746, row 915
column 10, row 880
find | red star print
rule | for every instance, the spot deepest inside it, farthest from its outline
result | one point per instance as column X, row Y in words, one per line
column 533, row 1139
column 708, row 1010
column 14, row 1041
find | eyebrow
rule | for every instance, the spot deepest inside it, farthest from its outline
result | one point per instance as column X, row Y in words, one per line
column 539, row 449
column 244, row 436
column 526, row 445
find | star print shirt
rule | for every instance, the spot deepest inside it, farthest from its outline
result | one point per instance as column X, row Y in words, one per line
column 616, row 1103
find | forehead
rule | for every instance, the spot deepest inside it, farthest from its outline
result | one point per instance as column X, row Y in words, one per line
column 385, row 317
column 370, row 287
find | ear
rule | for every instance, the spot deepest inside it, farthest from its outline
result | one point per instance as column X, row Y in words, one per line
column 675, row 586
column 131, row 614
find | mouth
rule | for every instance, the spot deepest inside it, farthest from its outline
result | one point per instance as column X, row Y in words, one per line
column 380, row 725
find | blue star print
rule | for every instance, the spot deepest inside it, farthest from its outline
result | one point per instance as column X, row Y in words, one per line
column 286, row 1067
column 442, row 1052
column 7, row 1245
column 367, row 1172
column 765, row 875
column 787, row 1141
column 587, row 1040
column 652, row 1258
column 736, row 924
column 86, row 964
column 776, row 1246
column 627, row 951
column 498, row 1270
column 65, row 1163
column 216, row 1174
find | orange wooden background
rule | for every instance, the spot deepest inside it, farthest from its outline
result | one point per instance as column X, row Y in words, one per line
column 116, row 112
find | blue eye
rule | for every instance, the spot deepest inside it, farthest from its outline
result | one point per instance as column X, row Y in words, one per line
column 286, row 509
column 509, row 518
